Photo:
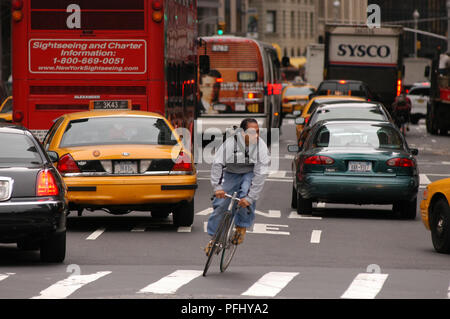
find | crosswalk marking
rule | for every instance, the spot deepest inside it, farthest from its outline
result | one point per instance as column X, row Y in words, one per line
column 64, row 288
column 171, row 283
column 365, row 286
column 4, row 276
column 96, row 234
column 315, row 236
column 424, row 180
column 270, row 284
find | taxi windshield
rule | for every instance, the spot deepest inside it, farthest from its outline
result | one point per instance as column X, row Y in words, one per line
column 117, row 130
column 7, row 107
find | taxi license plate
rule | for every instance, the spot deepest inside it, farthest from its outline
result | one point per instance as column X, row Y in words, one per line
column 125, row 167
column 359, row 166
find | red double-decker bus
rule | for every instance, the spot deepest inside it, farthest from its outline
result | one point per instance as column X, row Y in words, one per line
column 69, row 52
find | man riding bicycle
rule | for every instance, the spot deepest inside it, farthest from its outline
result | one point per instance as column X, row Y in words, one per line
column 241, row 165
column 401, row 110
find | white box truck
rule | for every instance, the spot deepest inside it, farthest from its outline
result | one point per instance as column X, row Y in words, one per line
column 314, row 64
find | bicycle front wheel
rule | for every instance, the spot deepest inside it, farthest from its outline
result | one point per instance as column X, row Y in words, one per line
column 218, row 241
column 229, row 248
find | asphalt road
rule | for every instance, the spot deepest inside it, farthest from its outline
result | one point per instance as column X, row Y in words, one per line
column 343, row 251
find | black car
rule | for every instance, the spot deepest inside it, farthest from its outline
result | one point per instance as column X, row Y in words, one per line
column 33, row 202
column 345, row 87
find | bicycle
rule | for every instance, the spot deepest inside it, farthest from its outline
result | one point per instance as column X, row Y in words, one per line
column 222, row 239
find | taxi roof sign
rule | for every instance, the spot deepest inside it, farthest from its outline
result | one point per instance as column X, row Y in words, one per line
column 110, row 105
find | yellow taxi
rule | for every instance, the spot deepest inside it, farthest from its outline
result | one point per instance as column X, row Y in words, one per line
column 294, row 97
column 6, row 109
column 435, row 211
column 122, row 160
column 312, row 105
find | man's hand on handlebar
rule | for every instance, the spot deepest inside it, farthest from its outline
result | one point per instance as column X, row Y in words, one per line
column 243, row 203
column 220, row 194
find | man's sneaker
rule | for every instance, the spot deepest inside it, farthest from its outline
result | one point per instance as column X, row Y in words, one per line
column 238, row 236
column 208, row 247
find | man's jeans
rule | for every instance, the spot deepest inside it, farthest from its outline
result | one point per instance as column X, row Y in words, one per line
column 231, row 183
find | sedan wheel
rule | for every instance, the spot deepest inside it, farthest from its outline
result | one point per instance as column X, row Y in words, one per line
column 53, row 248
column 440, row 226
column 294, row 198
column 304, row 206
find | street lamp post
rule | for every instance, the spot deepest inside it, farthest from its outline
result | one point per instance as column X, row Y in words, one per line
column 336, row 5
column 416, row 17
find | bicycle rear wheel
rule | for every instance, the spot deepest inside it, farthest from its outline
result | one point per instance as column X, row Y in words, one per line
column 217, row 242
column 229, row 248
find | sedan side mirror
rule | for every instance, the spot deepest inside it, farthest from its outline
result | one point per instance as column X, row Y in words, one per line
column 414, row 151
column 294, row 148
column 300, row 121
column 54, row 157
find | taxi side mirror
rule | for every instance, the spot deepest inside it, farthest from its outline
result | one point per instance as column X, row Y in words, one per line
column 300, row 121
column 54, row 157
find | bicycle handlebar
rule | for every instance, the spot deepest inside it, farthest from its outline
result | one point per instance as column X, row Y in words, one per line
column 233, row 198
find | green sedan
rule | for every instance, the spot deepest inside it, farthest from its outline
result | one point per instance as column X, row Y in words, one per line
column 355, row 162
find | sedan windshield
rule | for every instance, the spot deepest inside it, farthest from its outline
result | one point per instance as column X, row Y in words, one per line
column 350, row 135
column 117, row 130
column 18, row 149
column 350, row 112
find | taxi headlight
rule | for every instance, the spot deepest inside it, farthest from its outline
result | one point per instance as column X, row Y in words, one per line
column 145, row 165
column 107, row 166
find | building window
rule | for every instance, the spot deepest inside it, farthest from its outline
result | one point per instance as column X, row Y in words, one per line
column 292, row 24
column 271, row 21
column 311, row 24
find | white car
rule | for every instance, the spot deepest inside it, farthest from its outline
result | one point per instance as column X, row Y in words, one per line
column 419, row 96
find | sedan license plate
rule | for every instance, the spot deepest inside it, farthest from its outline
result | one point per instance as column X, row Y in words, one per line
column 125, row 167
column 359, row 166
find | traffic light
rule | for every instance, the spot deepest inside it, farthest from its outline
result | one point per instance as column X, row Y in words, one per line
column 221, row 28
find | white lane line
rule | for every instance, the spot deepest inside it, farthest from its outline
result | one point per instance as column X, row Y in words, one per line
column 424, row 180
column 434, row 141
column 205, row 227
column 277, row 174
column 64, row 288
column 139, row 229
column 445, row 163
column 315, row 236
column 206, row 211
column 4, row 276
column 96, row 234
column 270, row 284
column 270, row 214
column 295, row 215
column 184, row 229
column 171, row 283
column 365, row 286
